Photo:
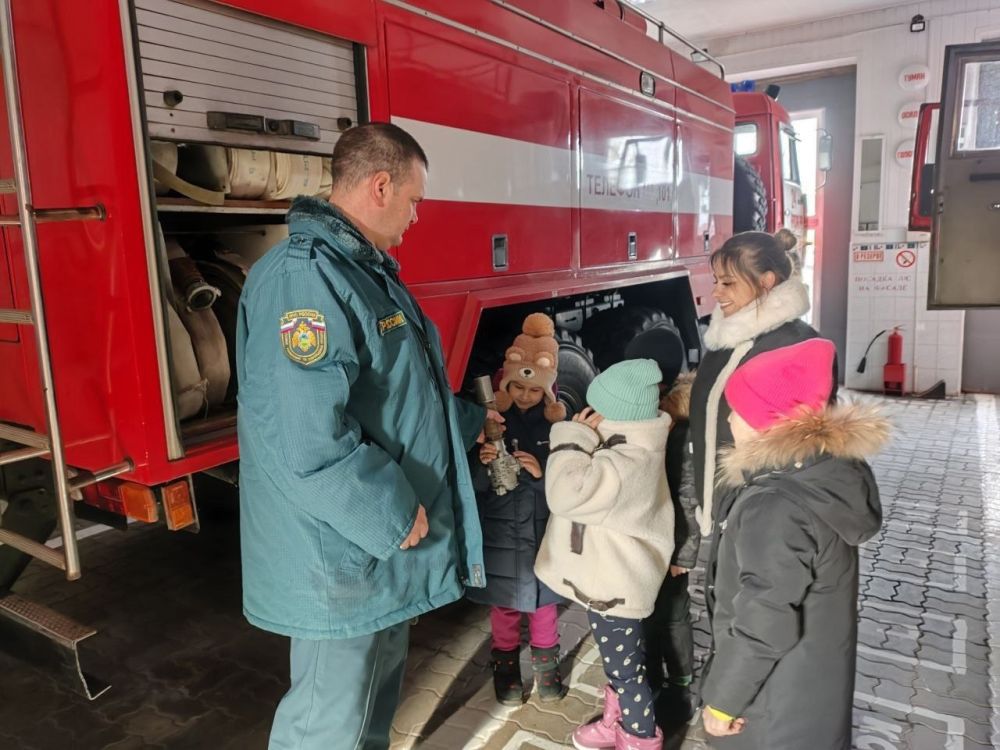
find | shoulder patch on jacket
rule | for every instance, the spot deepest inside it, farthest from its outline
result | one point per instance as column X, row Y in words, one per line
column 303, row 335
column 391, row 322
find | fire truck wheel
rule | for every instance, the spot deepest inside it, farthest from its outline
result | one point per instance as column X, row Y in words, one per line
column 576, row 370
column 609, row 331
column 28, row 508
column 749, row 198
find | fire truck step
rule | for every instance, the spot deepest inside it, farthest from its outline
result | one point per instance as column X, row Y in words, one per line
column 22, row 436
column 20, row 317
column 34, row 633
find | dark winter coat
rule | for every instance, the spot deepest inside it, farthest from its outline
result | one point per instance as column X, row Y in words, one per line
column 680, row 474
column 782, row 579
column 770, row 323
column 513, row 524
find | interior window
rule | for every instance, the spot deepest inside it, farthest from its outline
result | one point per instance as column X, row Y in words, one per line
column 979, row 120
column 789, row 160
column 746, row 139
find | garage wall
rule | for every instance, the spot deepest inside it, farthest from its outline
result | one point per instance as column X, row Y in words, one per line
column 835, row 95
column 880, row 44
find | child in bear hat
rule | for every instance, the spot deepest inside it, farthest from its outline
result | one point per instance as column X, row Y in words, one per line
column 782, row 580
column 610, row 538
column 513, row 524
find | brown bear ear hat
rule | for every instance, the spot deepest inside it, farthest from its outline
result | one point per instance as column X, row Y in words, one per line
column 532, row 361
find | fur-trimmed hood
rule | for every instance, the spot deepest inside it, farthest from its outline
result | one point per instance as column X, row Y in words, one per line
column 677, row 401
column 787, row 301
column 815, row 458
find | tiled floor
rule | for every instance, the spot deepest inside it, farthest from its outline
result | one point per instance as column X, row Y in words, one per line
column 189, row 673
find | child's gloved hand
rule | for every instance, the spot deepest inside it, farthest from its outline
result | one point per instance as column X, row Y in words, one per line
column 487, row 452
column 529, row 463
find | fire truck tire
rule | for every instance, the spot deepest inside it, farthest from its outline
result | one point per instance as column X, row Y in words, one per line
column 29, row 508
column 576, row 370
column 609, row 331
column 749, row 198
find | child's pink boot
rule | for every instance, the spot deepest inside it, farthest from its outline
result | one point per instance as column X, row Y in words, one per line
column 626, row 741
column 600, row 734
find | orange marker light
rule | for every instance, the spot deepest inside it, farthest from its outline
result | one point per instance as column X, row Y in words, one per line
column 139, row 502
column 178, row 506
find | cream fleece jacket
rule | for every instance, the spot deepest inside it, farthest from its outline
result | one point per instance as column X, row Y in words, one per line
column 610, row 537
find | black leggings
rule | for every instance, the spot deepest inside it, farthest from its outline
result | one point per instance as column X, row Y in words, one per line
column 620, row 642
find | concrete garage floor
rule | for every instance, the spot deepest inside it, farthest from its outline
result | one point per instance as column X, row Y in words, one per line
column 188, row 672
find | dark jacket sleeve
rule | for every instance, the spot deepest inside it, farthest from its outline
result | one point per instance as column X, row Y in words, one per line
column 680, row 476
column 775, row 551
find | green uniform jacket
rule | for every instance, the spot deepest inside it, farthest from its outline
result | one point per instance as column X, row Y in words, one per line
column 346, row 425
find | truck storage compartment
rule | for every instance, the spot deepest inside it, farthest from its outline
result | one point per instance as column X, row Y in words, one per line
column 241, row 114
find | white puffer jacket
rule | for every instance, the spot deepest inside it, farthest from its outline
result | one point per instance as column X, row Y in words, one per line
column 610, row 537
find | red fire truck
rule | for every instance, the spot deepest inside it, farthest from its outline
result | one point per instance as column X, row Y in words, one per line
column 581, row 162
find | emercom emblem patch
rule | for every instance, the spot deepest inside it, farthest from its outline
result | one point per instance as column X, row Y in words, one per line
column 303, row 336
column 391, row 322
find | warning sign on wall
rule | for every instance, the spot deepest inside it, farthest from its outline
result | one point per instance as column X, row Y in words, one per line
column 888, row 289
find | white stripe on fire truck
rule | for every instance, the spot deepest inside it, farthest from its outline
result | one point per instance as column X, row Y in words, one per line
column 468, row 166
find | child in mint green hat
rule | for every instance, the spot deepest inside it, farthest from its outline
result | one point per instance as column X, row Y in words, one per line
column 610, row 537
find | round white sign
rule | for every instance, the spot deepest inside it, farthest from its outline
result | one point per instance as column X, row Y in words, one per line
column 908, row 114
column 914, row 77
column 904, row 152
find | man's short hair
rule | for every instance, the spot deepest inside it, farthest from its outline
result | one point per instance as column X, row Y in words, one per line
column 374, row 147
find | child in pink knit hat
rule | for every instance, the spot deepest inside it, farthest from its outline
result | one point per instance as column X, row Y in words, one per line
column 782, row 580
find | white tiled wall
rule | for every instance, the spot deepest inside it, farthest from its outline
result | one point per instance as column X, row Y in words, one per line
column 932, row 341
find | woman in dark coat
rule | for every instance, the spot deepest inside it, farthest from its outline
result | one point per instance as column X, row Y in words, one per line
column 796, row 498
column 760, row 298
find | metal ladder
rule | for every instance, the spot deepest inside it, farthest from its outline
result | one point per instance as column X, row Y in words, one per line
column 30, row 630
column 34, row 444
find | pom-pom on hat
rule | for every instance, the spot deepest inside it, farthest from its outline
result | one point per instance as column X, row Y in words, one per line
column 775, row 385
column 627, row 391
column 532, row 360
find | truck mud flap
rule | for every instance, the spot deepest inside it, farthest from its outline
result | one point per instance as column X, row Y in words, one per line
column 34, row 633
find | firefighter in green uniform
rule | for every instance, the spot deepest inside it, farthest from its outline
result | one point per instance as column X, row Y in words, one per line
column 357, row 509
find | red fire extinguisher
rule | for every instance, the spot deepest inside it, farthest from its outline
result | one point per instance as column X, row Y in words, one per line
column 894, row 372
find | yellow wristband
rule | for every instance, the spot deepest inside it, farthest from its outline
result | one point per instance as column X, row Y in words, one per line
column 719, row 714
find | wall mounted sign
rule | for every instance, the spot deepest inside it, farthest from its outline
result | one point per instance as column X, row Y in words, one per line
column 914, row 77
column 904, row 153
column 908, row 115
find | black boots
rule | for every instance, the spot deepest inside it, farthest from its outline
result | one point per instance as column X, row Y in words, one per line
column 548, row 681
column 507, row 677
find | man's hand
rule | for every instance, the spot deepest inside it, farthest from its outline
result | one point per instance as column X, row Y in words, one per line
column 677, row 570
column 529, row 463
column 718, row 727
column 496, row 417
column 588, row 417
column 419, row 530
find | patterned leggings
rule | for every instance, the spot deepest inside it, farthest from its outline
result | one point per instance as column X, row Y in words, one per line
column 620, row 643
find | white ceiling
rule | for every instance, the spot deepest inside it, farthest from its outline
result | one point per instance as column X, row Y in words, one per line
column 709, row 19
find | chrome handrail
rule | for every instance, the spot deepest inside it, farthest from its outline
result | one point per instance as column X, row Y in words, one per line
column 29, row 241
column 666, row 30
